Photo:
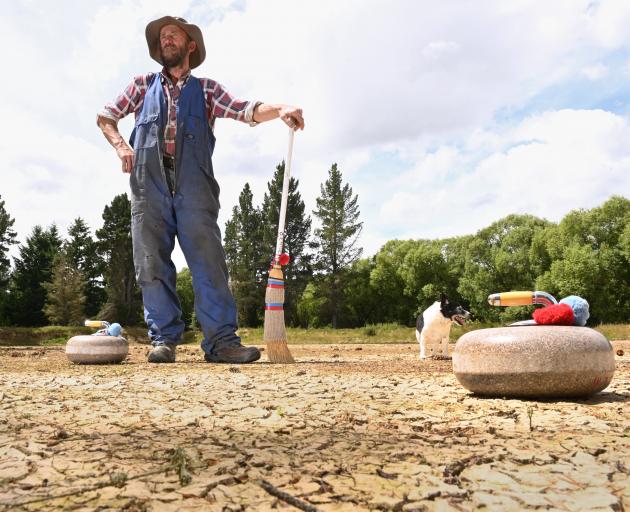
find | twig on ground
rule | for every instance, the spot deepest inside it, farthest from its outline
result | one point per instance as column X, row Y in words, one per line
column 287, row 498
column 80, row 491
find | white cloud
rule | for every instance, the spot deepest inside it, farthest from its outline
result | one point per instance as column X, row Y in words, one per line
column 595, row 72
column 608, row 20
column 437, row 49
column 549, row 164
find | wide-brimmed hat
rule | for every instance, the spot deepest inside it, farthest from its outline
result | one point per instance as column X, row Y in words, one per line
column 152, row 33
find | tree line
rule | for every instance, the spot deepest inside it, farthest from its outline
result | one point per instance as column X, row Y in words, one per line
column 328, row 283
column 56, row 280
column 63, row 281
column 587, row 254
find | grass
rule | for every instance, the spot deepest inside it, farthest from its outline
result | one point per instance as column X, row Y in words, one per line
column 379, row 333
column 615, row 331
column 390, row 333
column 48, row 335
column 376, row 333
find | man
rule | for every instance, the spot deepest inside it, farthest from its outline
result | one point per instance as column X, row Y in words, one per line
column 173, row 190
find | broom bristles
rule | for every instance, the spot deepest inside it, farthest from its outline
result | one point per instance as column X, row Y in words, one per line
column 275, row 333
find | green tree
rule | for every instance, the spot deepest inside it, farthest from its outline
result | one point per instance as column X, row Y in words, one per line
column 7, row 239
column 410, row 275
column 589, row 258
column 598, row 227
column 363, row 302
column 336, row 239
column 82, row 251
column 425, row 272
column 499, row 259
column 65, row 293
column 397, row 301
column 186, row 295
column 624, row 243
column 124, row 302
column 33, row 268
column 312, row 308
column 296, row 237
column 244, row 256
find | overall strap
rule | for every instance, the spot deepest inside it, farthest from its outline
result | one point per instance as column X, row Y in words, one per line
column 153, row 108
column 191, row 100
column 193, row 117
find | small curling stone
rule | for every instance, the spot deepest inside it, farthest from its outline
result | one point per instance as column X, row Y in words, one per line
column 534, row 361
column 97, row 349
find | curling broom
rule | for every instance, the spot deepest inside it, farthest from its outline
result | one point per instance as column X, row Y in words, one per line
column 275, row 333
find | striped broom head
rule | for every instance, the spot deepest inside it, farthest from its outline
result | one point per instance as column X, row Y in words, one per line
column 275, row 333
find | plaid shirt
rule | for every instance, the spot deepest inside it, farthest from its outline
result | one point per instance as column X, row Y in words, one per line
column 219, row 103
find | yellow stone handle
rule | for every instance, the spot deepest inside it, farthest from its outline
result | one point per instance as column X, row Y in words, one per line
column 95, row 323
column 521, row 299
column 511, row 299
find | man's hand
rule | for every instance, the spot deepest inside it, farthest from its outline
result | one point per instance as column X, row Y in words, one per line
column 109, row 128
column 127, row 157
column 292, row 116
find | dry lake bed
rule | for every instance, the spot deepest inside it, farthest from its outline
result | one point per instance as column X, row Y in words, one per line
column 348, row 427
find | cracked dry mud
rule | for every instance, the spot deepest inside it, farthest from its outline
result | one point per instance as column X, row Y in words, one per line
column 346, row 428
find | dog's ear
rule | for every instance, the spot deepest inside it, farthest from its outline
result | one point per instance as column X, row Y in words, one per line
column 443, row 299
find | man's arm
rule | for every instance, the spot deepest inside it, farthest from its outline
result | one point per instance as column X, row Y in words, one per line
column 130, row 100
column 292, row 116
column 221, row 103
column 109, row 127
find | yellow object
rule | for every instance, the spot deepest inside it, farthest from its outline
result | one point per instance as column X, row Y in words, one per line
column 95, row 323
column 521, row 299
column 511, row 299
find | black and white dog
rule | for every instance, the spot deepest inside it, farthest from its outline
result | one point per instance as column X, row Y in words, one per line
column 433, row 327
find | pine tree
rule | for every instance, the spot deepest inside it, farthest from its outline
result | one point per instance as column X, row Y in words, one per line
column 124, row 302
column 297, row 232
column 244, row 256
column 231, row 244
column 338, row 213
column 65, row 299
column 7, row 239
column 81, row 250
column 33, row 268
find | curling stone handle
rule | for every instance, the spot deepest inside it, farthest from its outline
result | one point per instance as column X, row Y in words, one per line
column 521, row 298
column 96, row 323
column 511, row 299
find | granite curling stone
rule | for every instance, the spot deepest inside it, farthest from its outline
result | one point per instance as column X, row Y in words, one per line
column 534, row 361
column 97, row 349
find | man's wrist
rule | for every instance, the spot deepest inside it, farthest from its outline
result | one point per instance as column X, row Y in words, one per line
column 119, row 143
column 252, row 119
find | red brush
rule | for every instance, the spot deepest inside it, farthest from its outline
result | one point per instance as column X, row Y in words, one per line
column 556, row 314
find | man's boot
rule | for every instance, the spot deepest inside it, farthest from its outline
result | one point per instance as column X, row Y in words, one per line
column 234, row 354
column 162, row 354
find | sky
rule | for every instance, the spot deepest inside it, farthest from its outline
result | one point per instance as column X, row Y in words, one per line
column 443, row 117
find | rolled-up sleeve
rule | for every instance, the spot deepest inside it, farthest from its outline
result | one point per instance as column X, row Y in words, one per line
column 130, row 100
column 221, row 103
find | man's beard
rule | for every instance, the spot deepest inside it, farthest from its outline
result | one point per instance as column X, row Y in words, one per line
column 174, row 58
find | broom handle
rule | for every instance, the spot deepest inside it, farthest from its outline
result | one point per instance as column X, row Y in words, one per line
column 285, row 194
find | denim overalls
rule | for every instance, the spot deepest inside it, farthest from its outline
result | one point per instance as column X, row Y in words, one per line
column 189, row 211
